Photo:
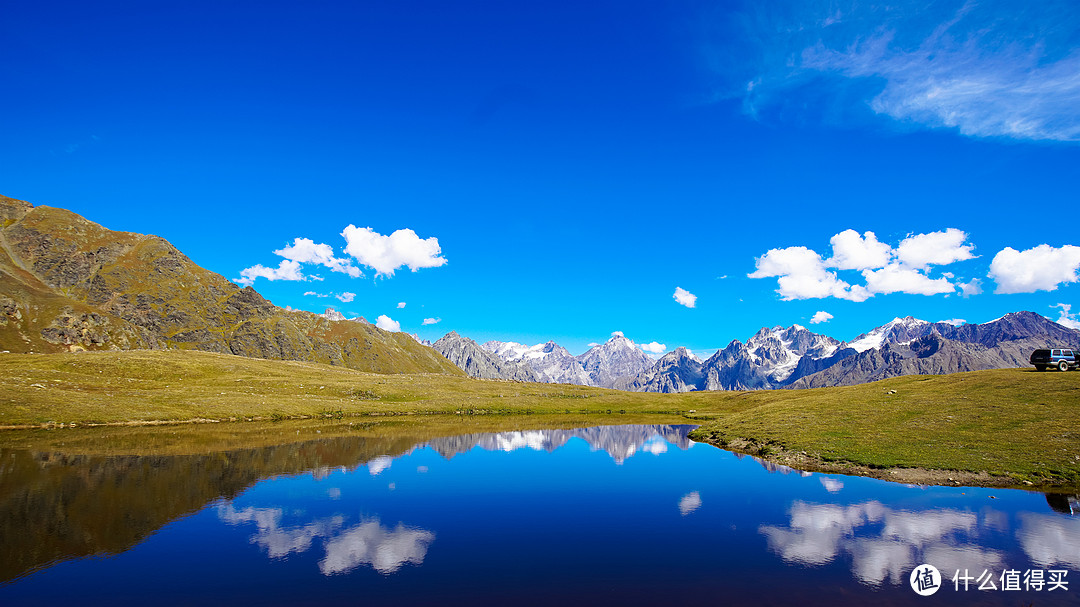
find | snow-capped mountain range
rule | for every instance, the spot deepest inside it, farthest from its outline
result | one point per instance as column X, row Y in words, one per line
column 795, row 357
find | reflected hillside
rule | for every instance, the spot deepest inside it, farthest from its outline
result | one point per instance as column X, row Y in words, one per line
column 55, row 505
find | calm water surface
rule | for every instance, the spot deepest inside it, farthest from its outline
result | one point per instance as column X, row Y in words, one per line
column 630, row 515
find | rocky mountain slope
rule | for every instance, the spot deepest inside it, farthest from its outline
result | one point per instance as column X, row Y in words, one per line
column 677, row 371
column 612, row 364
column 795, row 357
column 772, row 358
column 551, row 362
column 478, row 362
column 68, row 284
column 935, row 348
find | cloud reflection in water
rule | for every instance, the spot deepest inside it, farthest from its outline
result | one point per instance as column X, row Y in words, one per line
column 884, row 543
column 367, row 543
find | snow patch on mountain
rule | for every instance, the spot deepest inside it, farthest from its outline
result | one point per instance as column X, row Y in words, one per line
column 898, row 331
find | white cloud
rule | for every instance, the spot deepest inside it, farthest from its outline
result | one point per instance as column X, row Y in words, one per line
column 1042, row 268
column 821, row 316
column 854, row 252
column 956, row 322
column 305, row 250
column 617, row 334
column 431, row 321
column 400, row 304
column 311, row 293
column 653, row 347
column 920, row 251
column 685, row 297
column 385, row 254
column 972, row 287
column 895, row 278
column 386, row 323
column 801, row 274
column 1066, row 319
column 346, row 297
column 286, row 270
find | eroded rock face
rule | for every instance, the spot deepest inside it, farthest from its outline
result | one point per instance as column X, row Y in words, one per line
column 68, row 283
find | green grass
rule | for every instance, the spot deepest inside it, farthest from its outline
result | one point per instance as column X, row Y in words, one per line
column 1012, row 423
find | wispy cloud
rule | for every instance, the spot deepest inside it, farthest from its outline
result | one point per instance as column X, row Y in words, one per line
column 987, row 69
column 431, row 321
column 301, row 251
column 1066, row 319
column 286, row 270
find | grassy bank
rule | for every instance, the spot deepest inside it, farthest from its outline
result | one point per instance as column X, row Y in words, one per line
column 1016, row 423
column 991, row 427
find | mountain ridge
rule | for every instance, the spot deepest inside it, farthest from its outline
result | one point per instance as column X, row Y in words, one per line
column 795, row 357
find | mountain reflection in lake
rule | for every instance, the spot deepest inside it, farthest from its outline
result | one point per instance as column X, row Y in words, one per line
column 629, row 514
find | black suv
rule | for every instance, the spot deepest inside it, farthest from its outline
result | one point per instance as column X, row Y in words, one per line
column 1062, row 359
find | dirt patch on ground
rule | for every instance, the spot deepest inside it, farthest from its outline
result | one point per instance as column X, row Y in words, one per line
column 772, row 455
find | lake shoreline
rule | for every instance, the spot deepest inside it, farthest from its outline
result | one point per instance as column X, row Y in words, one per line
column 805, row 462
column 1007, row 427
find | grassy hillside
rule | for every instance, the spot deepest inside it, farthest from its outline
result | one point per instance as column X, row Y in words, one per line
column 68, row 284
column 1013, row 422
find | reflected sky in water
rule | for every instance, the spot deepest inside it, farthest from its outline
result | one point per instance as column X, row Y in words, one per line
column 617, row 514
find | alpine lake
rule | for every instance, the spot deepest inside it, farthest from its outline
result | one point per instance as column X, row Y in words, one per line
column 602, row 510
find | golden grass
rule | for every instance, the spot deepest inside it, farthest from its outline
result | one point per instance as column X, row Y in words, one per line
column 1011, row 422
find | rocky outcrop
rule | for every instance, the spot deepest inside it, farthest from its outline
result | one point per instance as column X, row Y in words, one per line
column 67, row 284
column 677, row 371
column 477, row 362
column 613, row 363
column 551, row 362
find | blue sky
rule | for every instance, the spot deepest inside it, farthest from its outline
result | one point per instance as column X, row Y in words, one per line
column 557, row 171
